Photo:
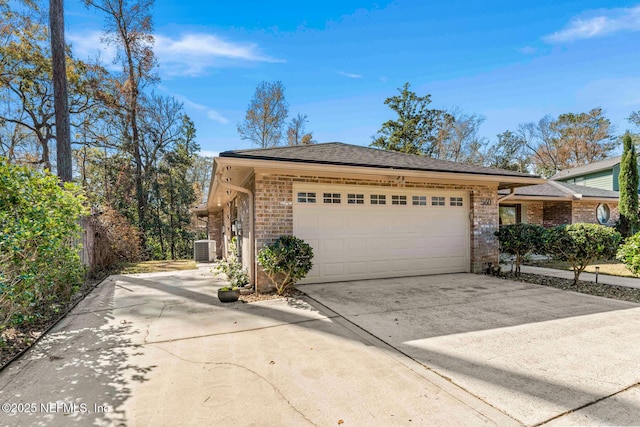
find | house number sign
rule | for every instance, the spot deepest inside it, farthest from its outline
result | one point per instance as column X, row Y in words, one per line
column 486, row 202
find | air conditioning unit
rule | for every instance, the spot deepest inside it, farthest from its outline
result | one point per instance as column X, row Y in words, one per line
column 204, row 250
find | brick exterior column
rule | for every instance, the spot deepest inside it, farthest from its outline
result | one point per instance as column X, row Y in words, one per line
column 215, row 231
column 484, row 244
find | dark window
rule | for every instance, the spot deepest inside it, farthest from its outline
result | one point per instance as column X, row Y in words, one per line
column 455, row 201
column 378, row 199
column 306, row 197
column 355, row 199
column 331, row 197
column 398, row 200
column 437, row 201
column 419, row 200
column 510, row 214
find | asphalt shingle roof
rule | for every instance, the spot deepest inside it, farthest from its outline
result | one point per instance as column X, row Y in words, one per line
column 337, row 153
column 583, row 170
column 562, row 190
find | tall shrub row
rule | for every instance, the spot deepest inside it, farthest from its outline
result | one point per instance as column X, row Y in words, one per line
column 578, row 244
column 39, row 223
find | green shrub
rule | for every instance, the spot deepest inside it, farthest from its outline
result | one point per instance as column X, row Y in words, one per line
column 580, row 244
column 520, row 240
column 39, row 263
column 286, row 261
column 629, row 253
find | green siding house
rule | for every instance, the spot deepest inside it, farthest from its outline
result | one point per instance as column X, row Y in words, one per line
column 603, row 174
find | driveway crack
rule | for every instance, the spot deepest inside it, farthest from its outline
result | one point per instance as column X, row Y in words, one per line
column 586, row 405
column 273, row 386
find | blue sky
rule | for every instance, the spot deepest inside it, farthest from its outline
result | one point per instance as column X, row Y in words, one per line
column 510, row 62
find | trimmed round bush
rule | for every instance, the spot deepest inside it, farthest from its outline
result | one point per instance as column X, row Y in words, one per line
column 286, row 261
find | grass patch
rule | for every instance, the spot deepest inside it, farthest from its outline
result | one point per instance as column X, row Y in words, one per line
column 158, row 266
column 610, row 267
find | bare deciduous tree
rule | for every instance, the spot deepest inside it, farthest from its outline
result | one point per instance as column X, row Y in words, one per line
column 296, row 131
column 266, row 115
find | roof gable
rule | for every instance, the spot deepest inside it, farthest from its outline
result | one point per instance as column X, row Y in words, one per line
column 337, row 153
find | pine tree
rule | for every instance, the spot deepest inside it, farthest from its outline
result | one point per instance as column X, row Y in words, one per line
column 628, row 182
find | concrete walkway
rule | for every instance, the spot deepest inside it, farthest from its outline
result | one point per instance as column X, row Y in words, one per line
column 161, row 350
column 629, row 282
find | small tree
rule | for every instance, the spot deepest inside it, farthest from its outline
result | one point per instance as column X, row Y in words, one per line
column 520, row 240
column 629, row 253
column 628, row 182
column 286, row 261
column 580, row 244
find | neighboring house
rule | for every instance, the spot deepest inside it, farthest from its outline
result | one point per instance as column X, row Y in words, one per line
column 586, row 193
column 603, row 174
column 558, row 203
column 367, row 213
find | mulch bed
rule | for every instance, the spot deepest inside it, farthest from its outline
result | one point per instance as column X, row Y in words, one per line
column 290, row 293
column 598, row 289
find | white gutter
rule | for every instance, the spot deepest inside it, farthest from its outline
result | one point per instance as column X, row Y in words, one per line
column 252, row 246
column 508, row 196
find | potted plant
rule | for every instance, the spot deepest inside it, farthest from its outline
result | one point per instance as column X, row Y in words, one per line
column 228, row 294
column 235, row 274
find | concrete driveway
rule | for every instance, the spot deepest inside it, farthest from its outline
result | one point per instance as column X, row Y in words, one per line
column 161, row 350
column 538, row 354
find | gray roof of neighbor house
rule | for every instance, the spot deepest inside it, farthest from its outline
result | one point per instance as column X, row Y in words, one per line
column 337, row 153
column 587, row 169
column 555, row 189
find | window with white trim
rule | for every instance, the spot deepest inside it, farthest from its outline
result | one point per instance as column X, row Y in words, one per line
column 419, row 200
column 331, row 198
column 455, row 201
column 378, row 199
column 398, row 200
column 355, row 199
column 437, row 201
column 305, row 197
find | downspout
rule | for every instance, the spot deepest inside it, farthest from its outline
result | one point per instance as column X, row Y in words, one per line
column 233, row 187
column 508, row 196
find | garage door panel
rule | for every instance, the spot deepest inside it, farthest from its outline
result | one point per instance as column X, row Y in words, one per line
column 332, row 221
column 354, row 242
column 306, row 221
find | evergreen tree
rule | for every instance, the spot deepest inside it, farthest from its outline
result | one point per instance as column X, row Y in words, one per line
column 628, row 183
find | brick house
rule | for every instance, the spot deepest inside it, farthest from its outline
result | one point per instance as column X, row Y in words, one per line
column 558, row 203
column 367, row 213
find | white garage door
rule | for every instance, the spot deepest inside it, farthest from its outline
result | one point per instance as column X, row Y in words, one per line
column 381, row 232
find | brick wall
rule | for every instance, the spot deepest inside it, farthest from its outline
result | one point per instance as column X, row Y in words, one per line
column 557, row 213
column 215, row 231
column 535, row 213
column 484, row 244
column 274, row 213
column 586, row 212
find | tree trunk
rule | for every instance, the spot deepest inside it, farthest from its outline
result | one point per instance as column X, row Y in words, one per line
column 60, row 96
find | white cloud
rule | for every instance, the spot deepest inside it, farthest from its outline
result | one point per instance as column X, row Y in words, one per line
column 90, row 46
column 209, row 153
column 189, row 54
column 350, row 75
column 601, row 23
column 192, row 54
column 209, row 112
